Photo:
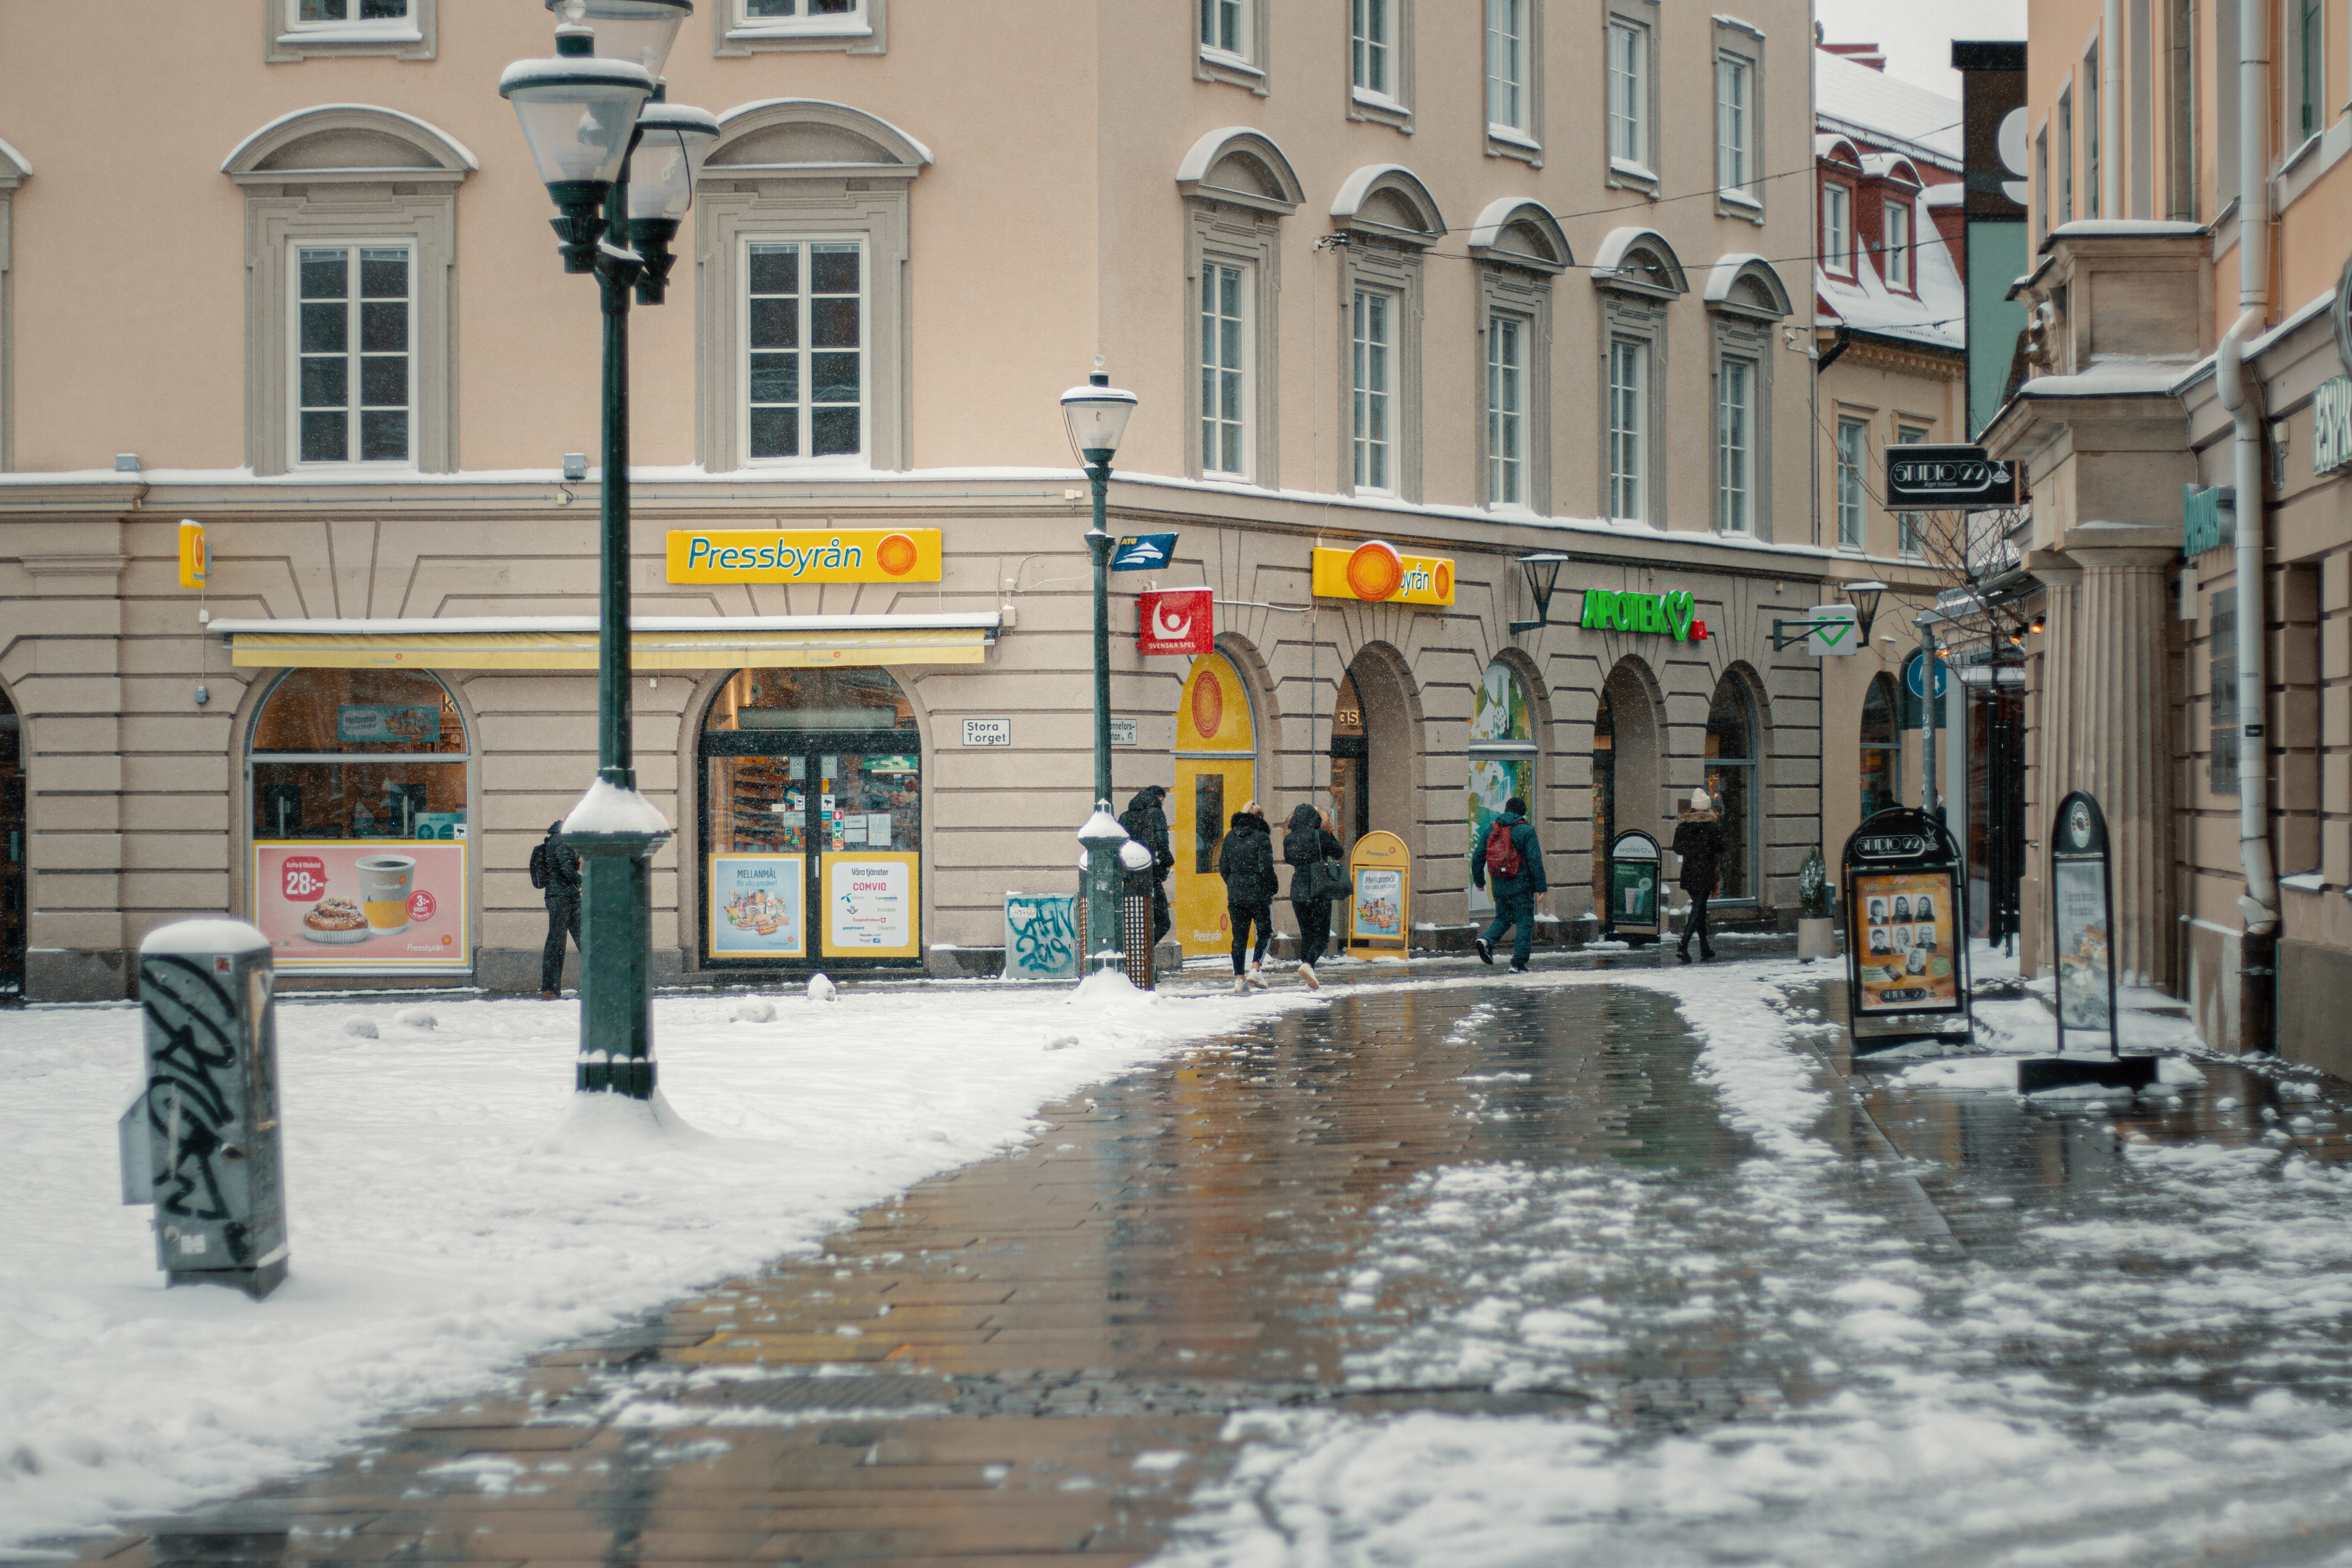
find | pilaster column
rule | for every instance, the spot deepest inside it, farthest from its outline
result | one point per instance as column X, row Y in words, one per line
column 2123, row 729
column 2056, row 757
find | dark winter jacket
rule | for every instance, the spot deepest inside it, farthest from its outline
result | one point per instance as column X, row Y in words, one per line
column 1304, row 842
column 563, row 867
column 1147, row 822
column 1531, row 879
column 1245, row 860
column 1699, row 839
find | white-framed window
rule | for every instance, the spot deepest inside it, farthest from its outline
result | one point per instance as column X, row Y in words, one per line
column 1735, row 120
column 301, row 29
column 1898, row 243
column 1629, row 445
column 2306, row 48
column 1837, row 228
column 1629, row 65
column 804, row 321
column 309, row 16
column 2066, row 158
column 2091, row 148
column 1909, row 538
column 1735, row 444
column 1224, row 27
column 1852, row 451
column 1369, row 46
column 751, row 26
column 799, row 16
column 1226, row 411
column 354, row 341
column 1506, row 66
column 1506, row 403
column 1373, row 360
column 2041, row 182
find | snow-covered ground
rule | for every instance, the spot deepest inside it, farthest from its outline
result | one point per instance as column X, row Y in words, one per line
column 447, row 1213
column 2157, row 1371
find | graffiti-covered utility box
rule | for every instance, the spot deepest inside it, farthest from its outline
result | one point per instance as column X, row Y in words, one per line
column 200, row 1141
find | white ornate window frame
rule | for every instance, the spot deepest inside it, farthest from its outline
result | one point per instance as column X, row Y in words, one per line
column 285, row 41
column 1637, row 275
column 1524, row 143
column 1747, row 300
column 1736, row 40
column 1389, row 217
column 1518, row 249
column 734, row 34
column 349, row 173
column 1642, row 174
column 804, row 169
column 1392, row 109
column 1246, row 67
column 1237, row 186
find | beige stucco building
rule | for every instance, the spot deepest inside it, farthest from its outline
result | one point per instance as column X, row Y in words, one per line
column 1477, row 280
column 2192, row 208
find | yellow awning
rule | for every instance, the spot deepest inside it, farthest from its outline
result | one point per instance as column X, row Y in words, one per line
column 570, row 642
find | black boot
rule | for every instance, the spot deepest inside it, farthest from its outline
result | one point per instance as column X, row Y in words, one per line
column 1705, row 949
column 1682, row 949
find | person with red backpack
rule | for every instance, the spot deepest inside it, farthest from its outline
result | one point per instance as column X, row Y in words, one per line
column 1511, row 863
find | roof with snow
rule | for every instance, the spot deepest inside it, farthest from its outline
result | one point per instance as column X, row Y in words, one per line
column 1856, row 101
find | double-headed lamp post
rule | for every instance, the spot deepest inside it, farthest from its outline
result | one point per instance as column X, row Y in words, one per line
column 1096, row 415
column 583, row 113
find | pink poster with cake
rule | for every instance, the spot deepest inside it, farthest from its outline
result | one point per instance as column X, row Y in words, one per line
column 368, row 904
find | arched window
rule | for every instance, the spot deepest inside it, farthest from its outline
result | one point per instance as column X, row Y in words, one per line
column 360, row 818
column 1731, row 779
column 812, row 800
column 1502, row 757
column 1882, row 754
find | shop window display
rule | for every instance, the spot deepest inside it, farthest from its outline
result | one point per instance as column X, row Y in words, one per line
column 1731, row 779
column 1881, row 781
column 1502, row 759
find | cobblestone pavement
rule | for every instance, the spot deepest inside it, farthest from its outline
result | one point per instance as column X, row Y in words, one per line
column 1346, row 1215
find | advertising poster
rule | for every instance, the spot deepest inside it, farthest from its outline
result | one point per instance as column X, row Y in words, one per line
column 371, row 904
column 1380, row 903
column 869, row 905
column 758, row 906
column 1634, row 892
column 384, row 723
column 1903, row 941
column 2082, row 943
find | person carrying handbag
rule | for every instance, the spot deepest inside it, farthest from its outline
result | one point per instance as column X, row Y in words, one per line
column 1245, row 860
column 1318, row 877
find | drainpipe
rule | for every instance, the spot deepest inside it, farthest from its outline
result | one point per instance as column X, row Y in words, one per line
column 2241, row 393
column 2111, row 109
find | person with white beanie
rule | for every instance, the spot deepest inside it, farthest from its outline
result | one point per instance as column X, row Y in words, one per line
column 1698, row 842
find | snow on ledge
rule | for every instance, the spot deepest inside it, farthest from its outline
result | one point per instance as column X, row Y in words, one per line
column 219, row 934
column 609, row 808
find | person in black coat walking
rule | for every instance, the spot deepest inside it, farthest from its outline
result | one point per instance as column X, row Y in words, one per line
column 1307, row 841
column 555, row 870
column 1245, row 860
column 1515, row 896
column 1698, row 840
column 1147, row 822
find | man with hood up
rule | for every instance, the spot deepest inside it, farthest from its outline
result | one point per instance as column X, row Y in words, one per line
column 1698, row 840
column 1245, row 860
column 1147, row 824
column 555, row 869
column 1305, row 843
column 1511, row 842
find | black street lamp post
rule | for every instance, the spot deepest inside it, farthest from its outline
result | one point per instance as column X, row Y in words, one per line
column 1096, row 415
column 583, row 113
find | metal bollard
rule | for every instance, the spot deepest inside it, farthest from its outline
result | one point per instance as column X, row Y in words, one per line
column 200, row 1141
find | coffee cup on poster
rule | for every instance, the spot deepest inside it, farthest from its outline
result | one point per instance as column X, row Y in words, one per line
column 385, row 882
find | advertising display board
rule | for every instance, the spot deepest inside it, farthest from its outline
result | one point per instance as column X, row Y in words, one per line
column 1380, row 911
column 805, row 555
column 758, row 906
column 364, row 905
column 869, row 905
column 1906, row 955
column 1177, row 620
column 1377, row 574
column 1636, row 912
column 2081, row 920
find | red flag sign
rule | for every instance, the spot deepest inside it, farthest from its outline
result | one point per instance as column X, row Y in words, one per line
column 1178, row 620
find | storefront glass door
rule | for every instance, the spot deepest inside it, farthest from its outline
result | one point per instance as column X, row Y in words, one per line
column 1216, row 776
column 811, row 822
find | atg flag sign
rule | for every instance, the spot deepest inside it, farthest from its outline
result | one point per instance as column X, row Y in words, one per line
column 1178, row 620
column 1143, row 552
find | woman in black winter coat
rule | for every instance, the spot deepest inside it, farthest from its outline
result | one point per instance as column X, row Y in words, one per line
column 1699, row 839
column 1245, row 860
column 1305, row 841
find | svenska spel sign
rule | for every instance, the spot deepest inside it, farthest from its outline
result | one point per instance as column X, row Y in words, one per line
column 805, row 555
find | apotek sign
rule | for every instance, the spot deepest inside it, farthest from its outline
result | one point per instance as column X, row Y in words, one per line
column 1948, row 478
column 1672, row 615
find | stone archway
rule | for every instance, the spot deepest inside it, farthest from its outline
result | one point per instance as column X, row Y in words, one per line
column 1628, row 769
column 1381, row 687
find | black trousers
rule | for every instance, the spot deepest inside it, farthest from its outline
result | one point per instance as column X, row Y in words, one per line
column 1696, row 925
column 1241, row 917
column 563, row 919
column 1314, row 927
column 1162, row 920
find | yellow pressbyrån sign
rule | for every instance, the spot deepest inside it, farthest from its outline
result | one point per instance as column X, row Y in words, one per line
column 1377, row 573
column 805, row 555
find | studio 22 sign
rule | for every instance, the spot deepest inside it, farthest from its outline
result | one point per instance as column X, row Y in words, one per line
column 1672, row 614
column 1377, row 573
column 805, row 555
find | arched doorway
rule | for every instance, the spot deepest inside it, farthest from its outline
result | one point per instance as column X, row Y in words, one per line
column 358, row 792
column 1351, row 764
column 1731, row 779
column 13, row 836
column 1626, row 777
column 1216, row 776
column 1501, row 761
column 811, row 801
column 1882, row 754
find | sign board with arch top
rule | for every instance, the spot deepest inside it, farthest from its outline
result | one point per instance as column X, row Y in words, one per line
column 1637, row 909
column 1380, row 908
column 1907, row 934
